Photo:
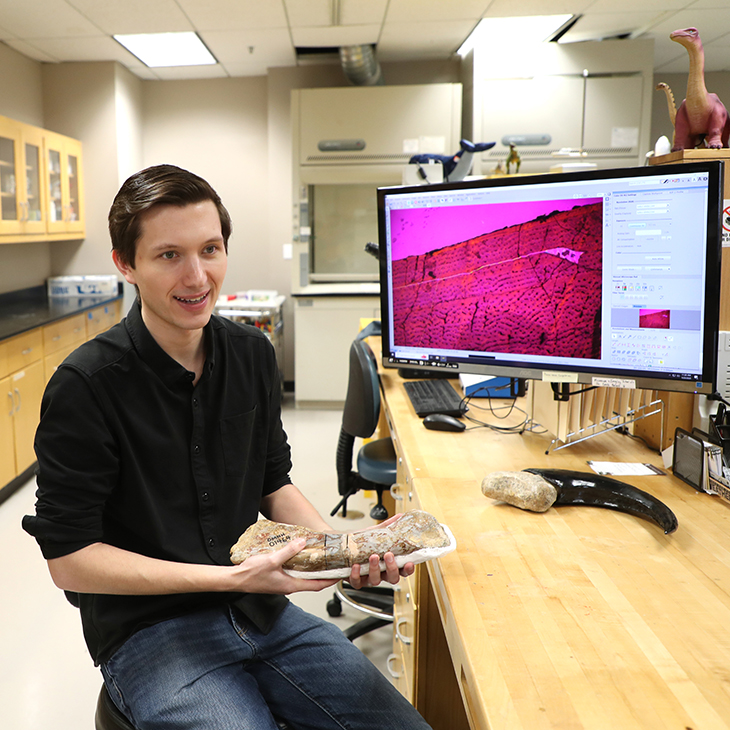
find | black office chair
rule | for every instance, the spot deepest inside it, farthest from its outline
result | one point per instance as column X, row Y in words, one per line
column 108, row 716
column 376, row 471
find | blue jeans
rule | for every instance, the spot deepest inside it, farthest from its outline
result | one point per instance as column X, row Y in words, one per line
column 213, row 670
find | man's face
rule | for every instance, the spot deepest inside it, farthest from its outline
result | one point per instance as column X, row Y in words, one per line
column 180, row 264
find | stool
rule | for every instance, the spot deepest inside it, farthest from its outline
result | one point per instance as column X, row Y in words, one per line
column 108, row 716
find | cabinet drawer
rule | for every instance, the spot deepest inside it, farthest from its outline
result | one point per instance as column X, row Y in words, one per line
column 100, row 319
column 52, row 361
column 61, row 335
column 22, row 350
column 401, row 674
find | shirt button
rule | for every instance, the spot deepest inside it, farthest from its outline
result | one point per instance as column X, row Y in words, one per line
column 211, row 542
column 195, row 402
column 205, row 496
column 196, row 449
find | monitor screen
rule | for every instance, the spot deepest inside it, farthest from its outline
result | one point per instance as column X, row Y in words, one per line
column 605, row 277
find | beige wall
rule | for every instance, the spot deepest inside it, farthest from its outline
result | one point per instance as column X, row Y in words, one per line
column 21, row 98
column 80, row 101
column 234, row 132
column 217, row 129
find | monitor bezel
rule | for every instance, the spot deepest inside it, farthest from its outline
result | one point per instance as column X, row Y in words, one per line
column 569, row 373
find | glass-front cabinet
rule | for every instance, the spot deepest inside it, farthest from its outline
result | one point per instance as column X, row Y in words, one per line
column 41, row 187
column 63, row 164
column 21, row 191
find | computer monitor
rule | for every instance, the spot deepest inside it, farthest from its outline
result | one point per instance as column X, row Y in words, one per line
column 604, row 277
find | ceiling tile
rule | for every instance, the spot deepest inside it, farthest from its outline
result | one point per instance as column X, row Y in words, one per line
column 357, row 12
column 605, row 25
column 234, row 14
column 629, row 6
column 271, row 47
column 410, row 11
column 134, row 16
column 236, row 70
column 341, row 35
column 309, row 13
column 29, row 50
column 44, row 19
column 510, row 8
column 711, row 23
column 407, row 41
column 98, row 48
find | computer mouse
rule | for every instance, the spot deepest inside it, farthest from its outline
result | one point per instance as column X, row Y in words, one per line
column 442, row 422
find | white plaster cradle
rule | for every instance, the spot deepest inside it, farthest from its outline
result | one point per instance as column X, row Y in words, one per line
column 414, row 538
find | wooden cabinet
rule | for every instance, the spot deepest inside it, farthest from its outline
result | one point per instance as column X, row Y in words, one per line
column 63, row 184
column 22, row 387
column 27, row 362
column 22, row 204
column 41, row 184
column 102, row 318
column 60, row 339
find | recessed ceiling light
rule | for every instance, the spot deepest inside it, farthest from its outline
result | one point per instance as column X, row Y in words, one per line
column 158, row 50
column 513, row 31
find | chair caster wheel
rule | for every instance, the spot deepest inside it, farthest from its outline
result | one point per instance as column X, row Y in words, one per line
column 334, row 607
column 378, row 512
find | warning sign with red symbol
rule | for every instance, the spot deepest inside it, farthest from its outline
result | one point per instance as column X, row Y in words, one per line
column 726, row 224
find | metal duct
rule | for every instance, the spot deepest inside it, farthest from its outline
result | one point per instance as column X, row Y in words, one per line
column 361, row 66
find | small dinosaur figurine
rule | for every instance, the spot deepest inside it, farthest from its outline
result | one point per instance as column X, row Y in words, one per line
column 701, row 117
column 513, row 158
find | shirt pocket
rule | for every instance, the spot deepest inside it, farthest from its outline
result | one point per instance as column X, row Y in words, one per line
column 236, row 438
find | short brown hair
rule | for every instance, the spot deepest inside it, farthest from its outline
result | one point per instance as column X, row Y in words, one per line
column 153, row 186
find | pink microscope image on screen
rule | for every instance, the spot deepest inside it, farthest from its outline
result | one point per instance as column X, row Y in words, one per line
column 654, row 319
column 508, row 277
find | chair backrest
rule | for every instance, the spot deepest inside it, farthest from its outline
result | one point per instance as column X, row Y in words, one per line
column 362, row 402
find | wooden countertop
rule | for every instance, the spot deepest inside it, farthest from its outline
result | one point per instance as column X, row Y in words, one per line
column 27, row 309
column 577, row 618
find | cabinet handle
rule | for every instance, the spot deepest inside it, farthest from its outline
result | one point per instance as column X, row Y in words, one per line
column 20, row 402
column 27, row 351
column 404, row 639
column 12, row 403
column 388, row 661
column 56, row 338
column 394, row 492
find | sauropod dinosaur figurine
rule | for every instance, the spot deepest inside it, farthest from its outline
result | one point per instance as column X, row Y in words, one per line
column 415, row 537
column 701, row 116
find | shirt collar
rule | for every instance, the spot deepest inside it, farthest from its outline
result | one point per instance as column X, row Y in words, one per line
column 170, row 371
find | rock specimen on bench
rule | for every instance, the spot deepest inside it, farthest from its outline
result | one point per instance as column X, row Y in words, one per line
column 520, row 489
column 414, row 538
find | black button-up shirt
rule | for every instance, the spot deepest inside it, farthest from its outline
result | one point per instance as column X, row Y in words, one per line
column 131, row 454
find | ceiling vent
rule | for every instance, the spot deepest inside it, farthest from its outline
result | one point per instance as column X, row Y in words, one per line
column 359, row 63
column 361, row 66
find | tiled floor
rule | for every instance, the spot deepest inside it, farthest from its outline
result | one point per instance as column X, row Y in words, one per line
column 47, row 679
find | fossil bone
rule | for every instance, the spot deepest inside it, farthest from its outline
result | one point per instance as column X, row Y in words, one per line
column 415, row 537
column 539, row 489
column 520, row 489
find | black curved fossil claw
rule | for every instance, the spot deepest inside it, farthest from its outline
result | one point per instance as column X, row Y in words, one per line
column 592, row 490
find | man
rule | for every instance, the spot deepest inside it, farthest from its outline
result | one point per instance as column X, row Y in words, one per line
column 160, row 441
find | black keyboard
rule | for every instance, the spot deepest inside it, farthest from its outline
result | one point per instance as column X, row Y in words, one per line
column 434, row 396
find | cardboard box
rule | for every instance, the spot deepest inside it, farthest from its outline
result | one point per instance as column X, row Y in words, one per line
column 83, row 286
